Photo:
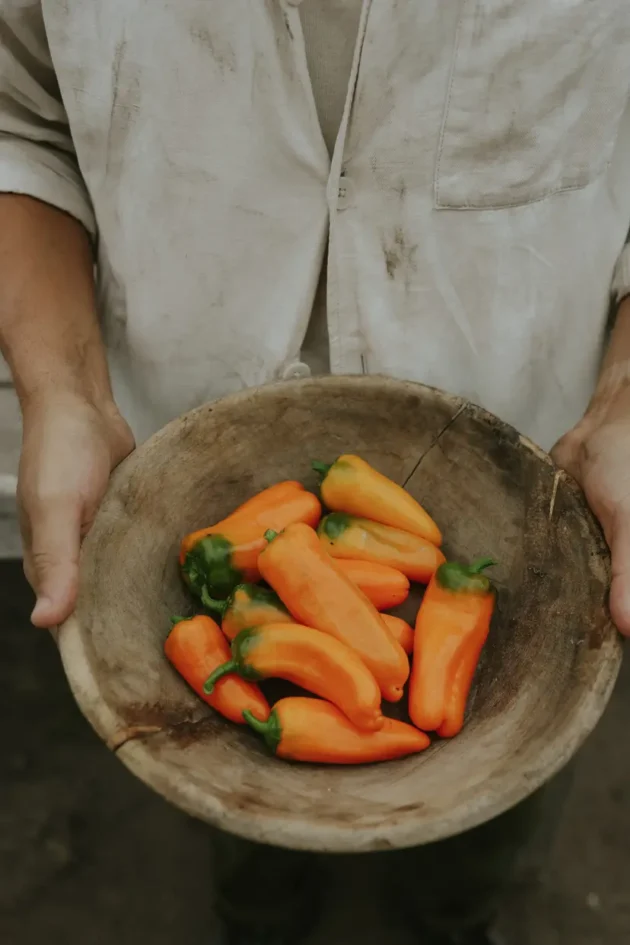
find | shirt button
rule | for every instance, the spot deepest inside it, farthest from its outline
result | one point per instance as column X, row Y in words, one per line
column 296, row 371
column 344, row 193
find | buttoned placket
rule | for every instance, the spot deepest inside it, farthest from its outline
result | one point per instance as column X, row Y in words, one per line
column 345, row 338
column 295, row 368
column 347, row 355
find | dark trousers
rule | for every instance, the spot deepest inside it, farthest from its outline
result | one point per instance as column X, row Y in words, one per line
column 449, row 886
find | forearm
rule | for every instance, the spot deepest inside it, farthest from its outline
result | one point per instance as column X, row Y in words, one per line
column 49, row 331
column 611, row 400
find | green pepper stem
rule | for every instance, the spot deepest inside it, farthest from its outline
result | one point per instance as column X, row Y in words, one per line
column 216, row 606
column 270, row 535
column 334, row 525
column 271, row 730
column 221, row 671
column 261, row 727
column 176, row 620
column 321, row 468
column 481, row 564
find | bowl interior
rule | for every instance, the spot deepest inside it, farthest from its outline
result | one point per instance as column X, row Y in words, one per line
column 547, row 671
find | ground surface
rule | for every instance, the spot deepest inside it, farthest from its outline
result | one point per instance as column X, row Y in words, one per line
column 88, row 856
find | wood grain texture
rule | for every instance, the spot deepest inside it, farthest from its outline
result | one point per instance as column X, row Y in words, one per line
column 548, row 671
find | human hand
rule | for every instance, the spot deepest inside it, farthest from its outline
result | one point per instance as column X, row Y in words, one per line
column 69, row 449
column 596, row 453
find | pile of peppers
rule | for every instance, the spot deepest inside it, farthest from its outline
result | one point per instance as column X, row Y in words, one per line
column 294, row 588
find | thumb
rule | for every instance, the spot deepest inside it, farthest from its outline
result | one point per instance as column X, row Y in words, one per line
column 52, row 560
column 620, row 587
column 566, row 452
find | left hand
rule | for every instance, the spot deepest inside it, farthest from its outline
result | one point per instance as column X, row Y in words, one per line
column 596, row 453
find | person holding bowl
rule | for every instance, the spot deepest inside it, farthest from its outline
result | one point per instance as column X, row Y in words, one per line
column 197, row 198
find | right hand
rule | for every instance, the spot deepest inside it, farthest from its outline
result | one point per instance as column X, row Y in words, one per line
column 69, row 449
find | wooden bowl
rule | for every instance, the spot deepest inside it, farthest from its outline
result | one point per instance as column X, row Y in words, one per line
column 548, row 670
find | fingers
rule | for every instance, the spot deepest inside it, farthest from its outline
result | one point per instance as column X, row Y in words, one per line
column 602, row 470
column 620, row 588
column 52, row 538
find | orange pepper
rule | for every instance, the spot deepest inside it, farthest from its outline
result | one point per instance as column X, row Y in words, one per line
column 249, row 605
column 353, row 486
column 195, row 647
column 400, row 630
column 359, row 538
column 384, row 586
column 258, row 505
column 320, row 595
column 310, row 659
column 303, row 729
column 451, row 628
column 221, row 556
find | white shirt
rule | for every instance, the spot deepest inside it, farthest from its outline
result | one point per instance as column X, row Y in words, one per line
column 475, row 205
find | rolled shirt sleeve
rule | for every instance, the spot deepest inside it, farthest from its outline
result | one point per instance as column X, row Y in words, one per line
column 37, row 156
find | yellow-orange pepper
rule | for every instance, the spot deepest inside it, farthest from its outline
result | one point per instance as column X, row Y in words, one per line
column 344, row 536
column 353, row 486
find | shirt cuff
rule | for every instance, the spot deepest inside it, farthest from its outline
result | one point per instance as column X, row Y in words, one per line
column 47, row 174
column 621, row 277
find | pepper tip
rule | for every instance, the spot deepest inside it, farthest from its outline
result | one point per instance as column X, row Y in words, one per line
column 394, row 693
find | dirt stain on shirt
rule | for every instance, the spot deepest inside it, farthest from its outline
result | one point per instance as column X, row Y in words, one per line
column 221, row 51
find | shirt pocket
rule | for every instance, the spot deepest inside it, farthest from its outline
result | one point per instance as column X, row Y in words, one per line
column 536, row 95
